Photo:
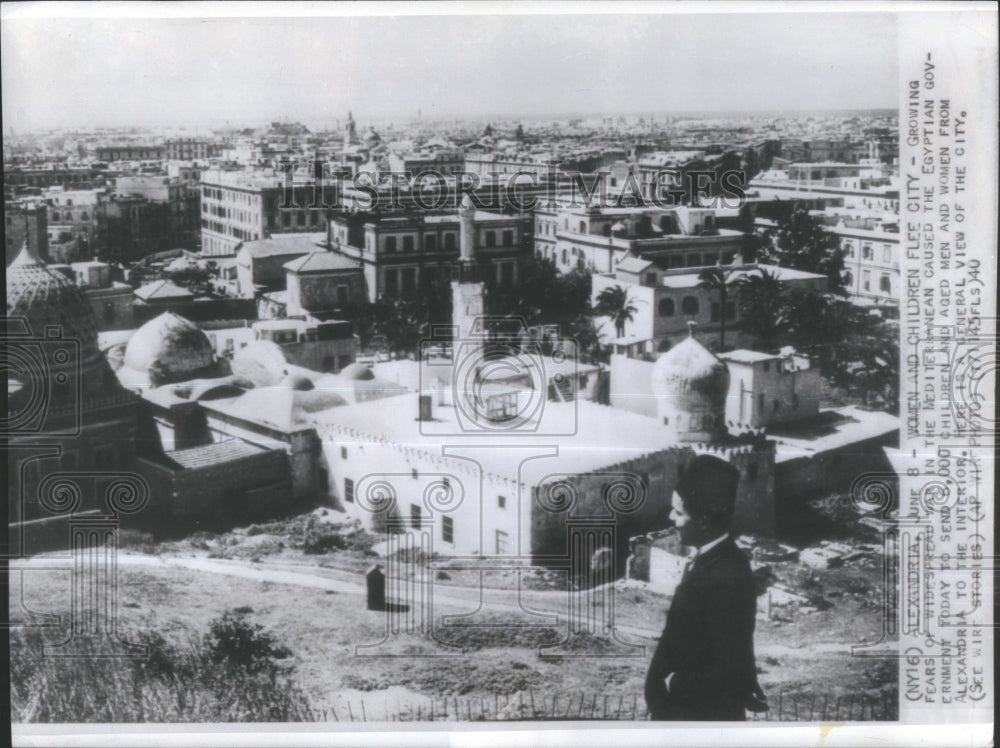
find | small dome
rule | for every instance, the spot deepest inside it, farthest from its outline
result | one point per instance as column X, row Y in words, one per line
column 298, row 382
column 171, row 349
column 357, row 372
column 690, row 384
column 262, row 362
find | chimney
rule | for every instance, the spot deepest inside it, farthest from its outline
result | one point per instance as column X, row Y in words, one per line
column 425, row 408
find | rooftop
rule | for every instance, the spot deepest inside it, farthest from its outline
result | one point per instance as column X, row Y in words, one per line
column 318, row 262
column 213, row 454
column 162, row 290
column 285, row 244
column 583, row 436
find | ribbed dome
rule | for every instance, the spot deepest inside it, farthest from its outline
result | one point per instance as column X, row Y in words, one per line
column 48, row 298
column 171, row 349
column 690, row 366
column 690, row 384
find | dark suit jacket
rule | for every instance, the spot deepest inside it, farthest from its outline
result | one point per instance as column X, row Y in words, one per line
column 707, row 642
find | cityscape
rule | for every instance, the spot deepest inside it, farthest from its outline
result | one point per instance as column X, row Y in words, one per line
column 379, row 412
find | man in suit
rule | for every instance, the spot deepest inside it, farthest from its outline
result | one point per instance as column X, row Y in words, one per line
column 703, row 667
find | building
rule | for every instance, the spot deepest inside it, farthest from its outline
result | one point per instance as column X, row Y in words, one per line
column 260, row 263
column 130, row 152
column 182, row 203
column 869, row 184
column 26, row 224
column 81, row 212
column 766, row 390
column 65, row 411
column 666, row 300
column 110, row 300
column 401, row 253
column 445, row 162
column 265, row 351
column 324, row 284
column 597, row 484
column 242, row 206
column 598, row 239
column 189, row 149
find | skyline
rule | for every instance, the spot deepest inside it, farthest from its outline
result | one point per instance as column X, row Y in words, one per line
column 63, row 73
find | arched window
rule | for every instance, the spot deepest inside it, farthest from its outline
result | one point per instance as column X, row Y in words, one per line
column 689, row 305
column 666, row 307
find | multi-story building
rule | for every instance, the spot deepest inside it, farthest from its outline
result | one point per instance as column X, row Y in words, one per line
column 404, row 251
column 871, row 258
column 667, row 299
column 239, row 206
column 260, row 264
column 181, row 200
column 598, row 239
column 70, row 177
column 130, row 152
column 82, row 212
column 444, row 162
column 866, row 185
column 188, row 149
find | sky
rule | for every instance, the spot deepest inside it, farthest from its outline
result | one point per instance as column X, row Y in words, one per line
column 90, row 72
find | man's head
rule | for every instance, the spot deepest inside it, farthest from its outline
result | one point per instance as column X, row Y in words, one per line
column 704, row 499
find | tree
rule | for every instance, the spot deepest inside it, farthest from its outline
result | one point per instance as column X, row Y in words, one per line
column 799, row 241
column 717, row 280
column 763, row 307
column 614, row 302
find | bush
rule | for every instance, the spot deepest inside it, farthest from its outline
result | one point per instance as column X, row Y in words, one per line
column 136, row 540
column 231, row 675
column 235, row 642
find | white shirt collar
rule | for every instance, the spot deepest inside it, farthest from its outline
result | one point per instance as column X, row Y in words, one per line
column 710, row 545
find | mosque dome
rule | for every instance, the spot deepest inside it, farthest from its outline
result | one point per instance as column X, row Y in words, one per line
column 298, row 382
column 690, row 384
column 46, row 298
column 262, row 362
column 358, row 372
column 171, row 349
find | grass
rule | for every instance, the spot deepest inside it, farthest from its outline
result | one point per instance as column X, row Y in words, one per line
column 233, row 674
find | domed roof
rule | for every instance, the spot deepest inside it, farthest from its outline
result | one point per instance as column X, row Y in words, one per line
column 46, row 298
column 171, row 349
column 356, row 372
column 263, row 362
column 690, row 368
column 298, row 382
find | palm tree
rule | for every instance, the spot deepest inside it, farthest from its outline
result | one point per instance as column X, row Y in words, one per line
column 615, row 303
column 763, row 307
column 716, row 279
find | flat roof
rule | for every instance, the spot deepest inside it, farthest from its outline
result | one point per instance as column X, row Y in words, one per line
column 585, row 436
column 284, row 244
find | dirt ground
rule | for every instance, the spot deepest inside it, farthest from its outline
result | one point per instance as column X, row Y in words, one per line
column 488, row 640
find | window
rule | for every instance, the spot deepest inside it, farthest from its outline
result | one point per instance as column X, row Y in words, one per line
column 503, row 543
column 848, row 248
column 343, row 453
column 407, row 243
column 885, row 284
column 565, row 257
column 583, row 227
column 415, row 518
column 491, row 239
column 848, row 278
column 650, row 279
column 449, row 241
column 390, row 244
column 508, row 238
column 502, row 502
column 886, row 253
column 689, row 305
column 430, row 243
column 348, row 490
column 447, row 530
column 866, row 252
column 866, row 280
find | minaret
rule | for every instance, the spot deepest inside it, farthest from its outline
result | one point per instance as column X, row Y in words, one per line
column 350, row 130
column 466, row 288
